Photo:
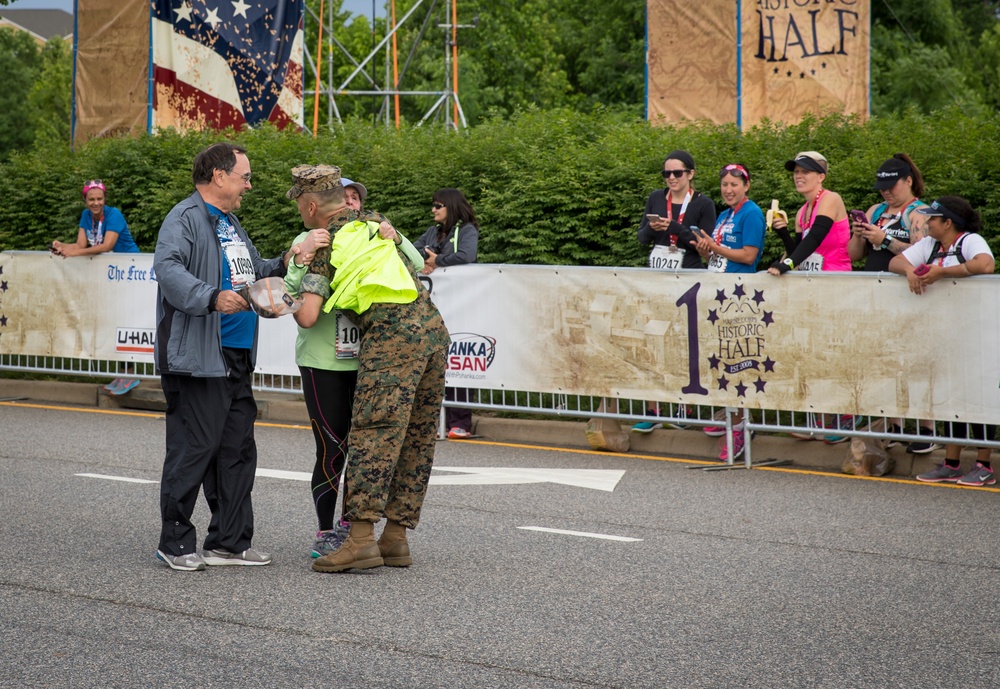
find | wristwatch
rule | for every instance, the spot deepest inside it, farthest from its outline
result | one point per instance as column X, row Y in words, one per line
column 886, row 243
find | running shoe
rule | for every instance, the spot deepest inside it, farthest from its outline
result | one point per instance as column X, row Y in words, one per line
column 126, row 385
column 892, row 441
column 807, row 433
column 458, row 434
column 715, row 431
column 646, row 427
column 738, row 446
column 942, row 473
column 980, row 476
column 192, row 562
column 920, row 447
column 114, row 385
column 682, row 413
column 845, row 422
column 216, row 558
column 328, row 541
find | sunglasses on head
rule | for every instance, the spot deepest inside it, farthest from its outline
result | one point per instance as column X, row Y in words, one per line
column 737, row 170
column 674, row 173
column 437, row 206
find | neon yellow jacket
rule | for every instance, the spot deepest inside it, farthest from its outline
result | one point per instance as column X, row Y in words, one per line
column 367, row 270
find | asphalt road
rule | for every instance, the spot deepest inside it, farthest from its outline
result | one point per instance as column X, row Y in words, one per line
column 736, row 579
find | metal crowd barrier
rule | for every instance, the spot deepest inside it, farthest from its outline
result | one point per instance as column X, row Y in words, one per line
column 524, row 402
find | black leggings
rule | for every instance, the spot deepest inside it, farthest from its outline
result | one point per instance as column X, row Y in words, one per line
column 328, row 397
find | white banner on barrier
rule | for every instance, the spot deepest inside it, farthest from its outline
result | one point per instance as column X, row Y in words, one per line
column 847, row 343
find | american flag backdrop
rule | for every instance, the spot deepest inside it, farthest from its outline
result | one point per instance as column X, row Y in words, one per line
column 220, row 63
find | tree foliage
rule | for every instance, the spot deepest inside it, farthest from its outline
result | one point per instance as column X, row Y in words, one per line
column 549, row 187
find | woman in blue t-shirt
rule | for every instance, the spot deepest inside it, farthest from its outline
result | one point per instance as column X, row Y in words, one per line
column 735, row 244
column 102, row 228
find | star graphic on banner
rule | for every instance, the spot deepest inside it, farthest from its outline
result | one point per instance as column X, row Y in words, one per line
column 788, row 74
column 713, row 361
column 758, row 296
column 759, row 384
column 741, row 390
column 768, row 317
column 738, row 291
column 712, row 316
column 775, row 70
column 720, row 296
column 3, row 321
column 184, row 12
column 769, row 365
column 240, row 9
column 213, row 18
column 3, row 286
column 723, row 383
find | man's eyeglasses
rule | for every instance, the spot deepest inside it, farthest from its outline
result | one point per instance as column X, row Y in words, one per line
column 437, row 206
column 245, row 178
column 675, row 173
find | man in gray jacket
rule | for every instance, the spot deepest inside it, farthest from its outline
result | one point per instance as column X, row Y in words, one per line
column 205, row 351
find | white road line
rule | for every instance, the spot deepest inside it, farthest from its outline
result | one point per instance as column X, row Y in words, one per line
column 606, row 537
column 117, row 478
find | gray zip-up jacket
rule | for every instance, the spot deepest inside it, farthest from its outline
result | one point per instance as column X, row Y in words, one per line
column 188, row 268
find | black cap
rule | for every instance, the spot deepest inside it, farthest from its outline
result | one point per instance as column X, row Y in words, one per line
column 682, row 156
column 890, row 172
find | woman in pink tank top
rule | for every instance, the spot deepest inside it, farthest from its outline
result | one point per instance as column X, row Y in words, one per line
column 822, row 224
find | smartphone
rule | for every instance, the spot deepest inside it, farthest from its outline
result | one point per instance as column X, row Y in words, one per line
column 922, row 269
column 859, row 216
column 650, row 217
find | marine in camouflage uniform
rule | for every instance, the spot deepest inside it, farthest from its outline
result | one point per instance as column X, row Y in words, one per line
column 398, row 396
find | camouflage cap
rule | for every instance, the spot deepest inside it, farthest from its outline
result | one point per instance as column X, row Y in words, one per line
column 308, row 178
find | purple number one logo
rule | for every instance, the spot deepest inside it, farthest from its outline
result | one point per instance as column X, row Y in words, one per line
column 690, row 299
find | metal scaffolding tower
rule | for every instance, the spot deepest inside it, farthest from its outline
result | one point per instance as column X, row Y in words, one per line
column 446, row 105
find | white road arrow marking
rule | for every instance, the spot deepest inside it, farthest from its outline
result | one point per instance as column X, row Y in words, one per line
column 596, row 479
column 585, row 534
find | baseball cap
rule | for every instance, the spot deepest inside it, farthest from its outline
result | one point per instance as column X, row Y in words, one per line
column 362, row 192
column 890, row 172
column 810, row 160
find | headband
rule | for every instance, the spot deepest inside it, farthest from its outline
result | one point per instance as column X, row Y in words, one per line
column 735, row 168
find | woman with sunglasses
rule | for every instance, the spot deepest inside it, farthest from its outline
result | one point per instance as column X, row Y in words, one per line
column 953, row 249
column 734, row 247
column 823, row 228
column 102, row 228
column 671, row 213
column 452, row 240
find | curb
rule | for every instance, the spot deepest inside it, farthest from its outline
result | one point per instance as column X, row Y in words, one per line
column 682, row 444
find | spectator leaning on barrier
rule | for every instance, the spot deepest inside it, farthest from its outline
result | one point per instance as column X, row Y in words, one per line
column 102, row 229
column 953, row 249
column 327, row 352
column 401, row 365
column 452, row 240
column 667, row 223
column 734, row 247
column 889, row 228
column 820, row 245
column 205, row 351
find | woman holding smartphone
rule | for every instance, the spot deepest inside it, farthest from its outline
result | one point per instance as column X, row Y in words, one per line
column 734, row 247
column 671, row 213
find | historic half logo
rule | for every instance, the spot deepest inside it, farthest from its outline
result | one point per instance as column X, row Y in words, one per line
column 470, row 354
column 741, row 324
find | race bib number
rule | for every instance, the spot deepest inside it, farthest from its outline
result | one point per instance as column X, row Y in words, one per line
column 348, row 337
column 241, row 270
column 717, row 264
column 665, row 257
column 813, row 264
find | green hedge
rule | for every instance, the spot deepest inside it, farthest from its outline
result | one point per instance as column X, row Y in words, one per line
column 555, row 187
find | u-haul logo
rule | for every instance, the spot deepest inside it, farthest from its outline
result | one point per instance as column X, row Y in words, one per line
column 134, row 341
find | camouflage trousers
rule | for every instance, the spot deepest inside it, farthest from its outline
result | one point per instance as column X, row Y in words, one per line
column 392, row 437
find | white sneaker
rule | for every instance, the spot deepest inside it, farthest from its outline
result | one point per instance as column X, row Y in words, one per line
column 221, row 558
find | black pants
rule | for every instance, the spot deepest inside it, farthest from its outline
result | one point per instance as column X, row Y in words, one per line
column 329, row 396
column 210, row 445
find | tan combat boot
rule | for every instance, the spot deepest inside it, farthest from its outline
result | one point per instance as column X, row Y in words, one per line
column 358, row 551
column 393, row 546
